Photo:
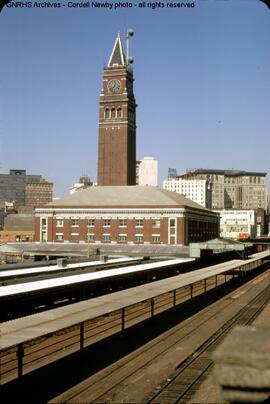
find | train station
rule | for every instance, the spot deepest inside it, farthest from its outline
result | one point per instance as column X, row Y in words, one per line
column 125, row 215
column 128, row 293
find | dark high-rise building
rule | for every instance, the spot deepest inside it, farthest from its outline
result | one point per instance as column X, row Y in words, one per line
column 117, row 122
column 24, row 190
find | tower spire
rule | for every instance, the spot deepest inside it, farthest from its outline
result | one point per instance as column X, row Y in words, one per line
column 118, row 57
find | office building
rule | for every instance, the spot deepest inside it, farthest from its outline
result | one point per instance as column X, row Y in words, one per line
column 198, row 190
column 38, row 193
column 233, row 189
column 23, row 190
column 147, row 172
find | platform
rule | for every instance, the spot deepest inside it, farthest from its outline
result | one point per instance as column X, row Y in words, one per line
column 32, row 327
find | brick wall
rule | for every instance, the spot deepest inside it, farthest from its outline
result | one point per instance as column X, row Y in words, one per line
column 162, row 230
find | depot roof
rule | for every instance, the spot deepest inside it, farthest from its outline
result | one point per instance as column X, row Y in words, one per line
column 127, row 196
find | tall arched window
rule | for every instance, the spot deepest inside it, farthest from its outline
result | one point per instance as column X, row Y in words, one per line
column 113, row 113
column 119, row 113
column 107, row 113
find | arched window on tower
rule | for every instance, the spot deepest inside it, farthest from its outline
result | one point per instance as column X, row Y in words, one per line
column 119, row 113
column 107, row 113
column 113, row 113
column 131, row 116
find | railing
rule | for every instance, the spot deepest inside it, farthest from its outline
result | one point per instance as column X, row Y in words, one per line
column 28, row 356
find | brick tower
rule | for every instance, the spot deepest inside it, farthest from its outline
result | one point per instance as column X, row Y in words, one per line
column 117, row 122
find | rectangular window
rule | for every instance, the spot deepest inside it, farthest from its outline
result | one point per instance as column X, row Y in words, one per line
column 122, row 238
column 138, row 238
column 59, row 237
column 172, row 222
column 139, row 222
column 74, row 222
column 91, row 222
column 122, row 222
column 90, row 237
column 156, row 238
column 106, row 222
column 59, row 223
column 44, row 226
column 106, row 237
column 156, row 223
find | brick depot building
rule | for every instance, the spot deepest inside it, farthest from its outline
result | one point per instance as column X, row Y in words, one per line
column 125, row 214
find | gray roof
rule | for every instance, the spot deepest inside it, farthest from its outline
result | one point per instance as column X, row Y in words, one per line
column 229, row 173
column 19, row 222
column 118, row 57
column 125, row 196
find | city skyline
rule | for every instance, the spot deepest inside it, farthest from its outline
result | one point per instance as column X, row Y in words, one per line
column 201, row 83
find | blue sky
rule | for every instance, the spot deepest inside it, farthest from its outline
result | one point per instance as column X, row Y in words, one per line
column 201, row 83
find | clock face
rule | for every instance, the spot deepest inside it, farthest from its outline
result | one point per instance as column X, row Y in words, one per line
column 114, row 86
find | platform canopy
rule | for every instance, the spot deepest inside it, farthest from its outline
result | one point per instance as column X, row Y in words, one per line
column 10, row 249
column 217, row 246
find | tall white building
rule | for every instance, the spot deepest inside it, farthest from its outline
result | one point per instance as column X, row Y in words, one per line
column 84, row 182
column 197, row 190
column 147, row 172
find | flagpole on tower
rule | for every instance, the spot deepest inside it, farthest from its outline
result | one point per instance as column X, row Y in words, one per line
column 129, row 34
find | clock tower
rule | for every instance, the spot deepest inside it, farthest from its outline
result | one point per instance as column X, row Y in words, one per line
column 117, row 122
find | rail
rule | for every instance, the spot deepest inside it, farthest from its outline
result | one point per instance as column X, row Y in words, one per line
column 24, row 349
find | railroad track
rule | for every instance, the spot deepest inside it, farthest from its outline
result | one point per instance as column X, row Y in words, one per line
column 108, row 385
column 181, row 386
